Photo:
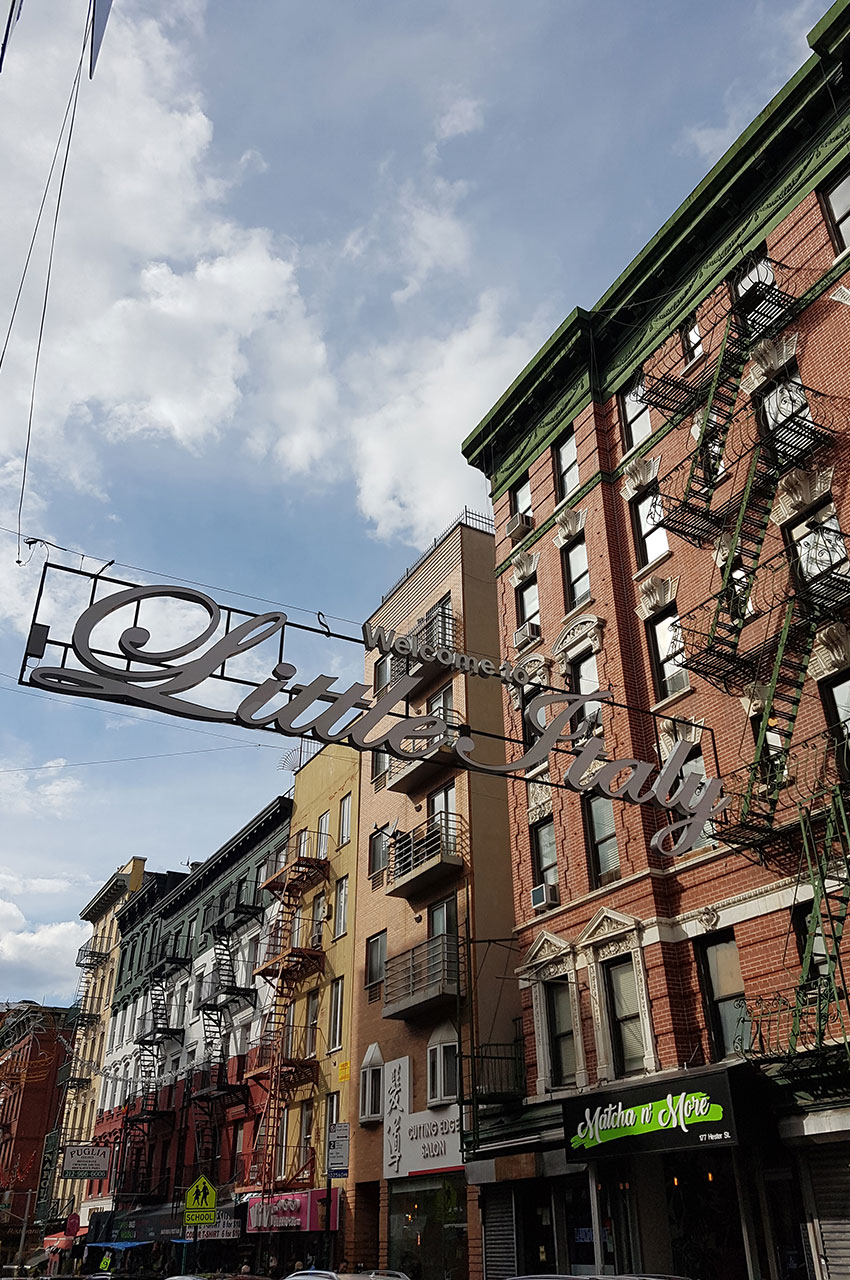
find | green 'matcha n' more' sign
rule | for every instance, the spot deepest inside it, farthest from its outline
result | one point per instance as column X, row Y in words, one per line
column 690, row 1111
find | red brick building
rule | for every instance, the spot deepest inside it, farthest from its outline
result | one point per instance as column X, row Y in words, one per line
column 34, row 1043
column 669, row 477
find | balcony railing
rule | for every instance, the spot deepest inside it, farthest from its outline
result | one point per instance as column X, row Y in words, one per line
column 430, row 851
column 301, row 863
column 789, row 1021
column 294, row 1166
column 92, row 953
column 410, row 775
column 153, row 1030
column 441, row 629
column 218, row 993
column 242, row 901
column 499, row 1072
column 420, row 979
column 298, row 948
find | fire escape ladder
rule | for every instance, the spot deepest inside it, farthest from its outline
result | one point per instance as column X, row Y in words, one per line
column 822, row 977
column 745, row 540
column 707, row 461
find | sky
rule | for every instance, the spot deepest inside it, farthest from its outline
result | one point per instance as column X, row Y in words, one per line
column 301, row 251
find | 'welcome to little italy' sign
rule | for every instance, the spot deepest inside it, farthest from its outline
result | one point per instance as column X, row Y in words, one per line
column 690, row 1111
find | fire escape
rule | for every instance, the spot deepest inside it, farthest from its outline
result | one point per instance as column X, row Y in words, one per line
column 215, row 1084
column 151, row 1112
column 291, row 951
column 754, row 638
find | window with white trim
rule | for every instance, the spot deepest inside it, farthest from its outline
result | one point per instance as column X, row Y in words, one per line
column 372, row 1085
column 559, row 1027
column 323, row 834
column 335, row 1018
column 624, row 1017
column 345, row 819
column 442, row 1066
column 340, row 907
column 634, row 415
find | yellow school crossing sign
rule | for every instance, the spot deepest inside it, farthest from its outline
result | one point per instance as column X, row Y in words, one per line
column 199, row 1206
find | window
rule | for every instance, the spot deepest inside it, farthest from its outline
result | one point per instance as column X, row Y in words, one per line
column 837, row 201
column 442, row 918
column 441, row 808
column 634, row 414
column 723, row 991
column 311, row 1023
column 624, row 1017
column 601, row 839
column 335, row 1018
column 559, row 1024
column 818, row 546
column 442, row 1067
column 380, row 764
column 323, row 835
column 376, row 958
column 667, row 653
column 650, row 539
column 544, row 852
column 566, row 466
column 305, row 1142
column 528, row 602
column 345, row 819
column 318, row 909
column 441, row 703
column 691, row 341
column 379, row 852
column 252, row 950
column 340, row 907
column 302, row 844
column 521, row 498
column 576, row 573
column 584, row 678
column 382, row 674
column 439, row 624
column 372, row 1085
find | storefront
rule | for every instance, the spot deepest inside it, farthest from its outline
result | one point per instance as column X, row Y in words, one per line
column 292, row 1228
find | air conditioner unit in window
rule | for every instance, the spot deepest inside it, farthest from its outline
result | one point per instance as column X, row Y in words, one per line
column 545, row 895
column 527, row 632
column 521, row 523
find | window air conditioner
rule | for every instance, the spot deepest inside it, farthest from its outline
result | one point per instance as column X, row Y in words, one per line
column 545, row 895
column 527, row 632
column 519, row 525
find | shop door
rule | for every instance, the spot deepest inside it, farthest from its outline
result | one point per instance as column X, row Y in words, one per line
column 500, row 1258
column 830, row 1174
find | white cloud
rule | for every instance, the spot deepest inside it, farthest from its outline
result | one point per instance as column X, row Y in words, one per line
column 418, row 399
column 11, row 917
column 466, row 115
column 41, row 959
column 48, row 793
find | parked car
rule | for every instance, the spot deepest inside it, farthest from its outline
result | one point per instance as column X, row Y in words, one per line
column 631, row 1275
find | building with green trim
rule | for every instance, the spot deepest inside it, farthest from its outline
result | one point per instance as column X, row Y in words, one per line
column 669, row 477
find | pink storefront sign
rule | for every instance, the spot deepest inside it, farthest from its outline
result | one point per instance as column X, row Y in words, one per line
column 292, row 1211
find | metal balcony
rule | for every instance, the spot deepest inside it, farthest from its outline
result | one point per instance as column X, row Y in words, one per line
column 296, row 953
column 498, row 1073
column 415, row 775
column 172, row 954
column 302, row 863
column 218, row 993
column 433, row 851
column 218, row 1079
column 238, row 904
column 156, row 1031
column 422, row 979
column 440, row 629
column 764, row 307
column 93, row 953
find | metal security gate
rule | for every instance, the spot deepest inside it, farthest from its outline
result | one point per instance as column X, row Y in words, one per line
column 499, row 1231
column 829, row 1170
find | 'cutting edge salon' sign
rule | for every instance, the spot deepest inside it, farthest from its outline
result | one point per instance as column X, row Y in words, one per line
column 140, row 676
column 690, row 1111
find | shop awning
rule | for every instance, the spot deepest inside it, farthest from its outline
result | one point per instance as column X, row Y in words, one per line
column 123, row 1244
column 58, row 1241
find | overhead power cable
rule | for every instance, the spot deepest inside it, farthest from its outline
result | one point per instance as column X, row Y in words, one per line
column 164, row 755
column 49, row 276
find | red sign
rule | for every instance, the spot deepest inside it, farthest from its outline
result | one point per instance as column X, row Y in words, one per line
column 72, row 1225
column 293, row 1211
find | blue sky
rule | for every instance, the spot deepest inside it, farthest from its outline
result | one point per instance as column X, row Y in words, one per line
column 302, row 250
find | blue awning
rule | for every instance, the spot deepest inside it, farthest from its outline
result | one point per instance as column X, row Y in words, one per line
column 121, row 1244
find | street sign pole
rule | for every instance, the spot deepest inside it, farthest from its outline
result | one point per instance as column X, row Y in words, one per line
column 195, row 1250
column 328, row 1244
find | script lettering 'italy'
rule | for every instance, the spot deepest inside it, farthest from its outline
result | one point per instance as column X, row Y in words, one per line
column 318, row 710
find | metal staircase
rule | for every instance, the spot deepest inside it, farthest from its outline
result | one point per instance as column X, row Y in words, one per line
column 291, row 952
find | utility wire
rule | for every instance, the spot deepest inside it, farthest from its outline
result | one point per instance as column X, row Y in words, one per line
column 74, row 99
column 165, row 755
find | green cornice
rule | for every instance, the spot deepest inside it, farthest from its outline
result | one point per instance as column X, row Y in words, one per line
column 800, row 136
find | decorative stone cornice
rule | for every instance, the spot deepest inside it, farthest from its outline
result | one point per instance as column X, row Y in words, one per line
column 525, row 564
column 575, row 638
column 537, row 670
column 672, row 731
column 540, row 798
column 655, row 594
column 570, row 522
column 769, row 357
column 549, row 956
column 831, row 651
column 798, row 490
column 638, row 474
